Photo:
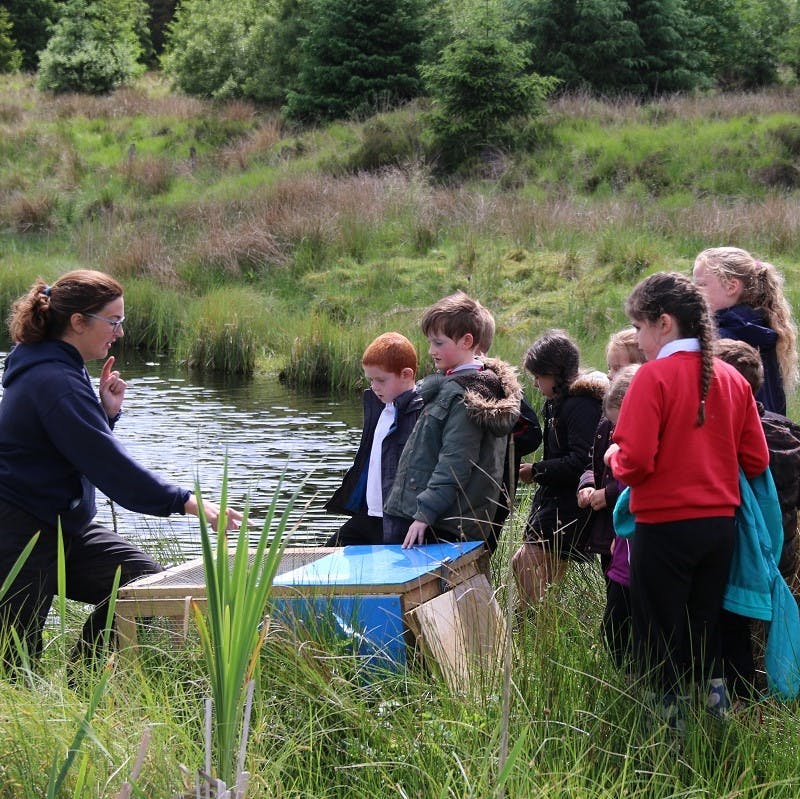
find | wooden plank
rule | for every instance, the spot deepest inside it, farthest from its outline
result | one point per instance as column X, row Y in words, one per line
column 462, row 632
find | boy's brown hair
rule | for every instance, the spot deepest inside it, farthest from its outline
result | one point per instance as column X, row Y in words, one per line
column 742, row 357
column 456, row 315
column 392, row 352
column 486, row 337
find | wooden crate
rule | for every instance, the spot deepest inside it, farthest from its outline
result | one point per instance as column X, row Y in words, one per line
column 372, row 593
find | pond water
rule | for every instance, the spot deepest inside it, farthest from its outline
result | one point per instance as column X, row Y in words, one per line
column 181, row 424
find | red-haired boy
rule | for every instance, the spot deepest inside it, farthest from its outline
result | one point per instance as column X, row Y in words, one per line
column 391, row 408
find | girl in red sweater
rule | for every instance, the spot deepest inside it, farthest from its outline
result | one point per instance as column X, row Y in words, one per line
column 686, row 425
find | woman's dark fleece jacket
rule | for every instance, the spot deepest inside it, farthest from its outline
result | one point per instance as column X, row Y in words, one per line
column 56, row 444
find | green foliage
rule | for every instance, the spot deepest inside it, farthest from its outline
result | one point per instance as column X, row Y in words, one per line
column 325, row 357
column 32, row 21
column 222, row 333
column 356, row 58
column 387, row 140
column 10, row 56
column 206, row 45
column 247, row 49
column 791, row 44
column 274, row 52
column 480, row 89
column 741, row 42
column 640, row 47
column 161, row 13
column 668, row 59
column 94, row 47
column 591, row 46
column 232, row 631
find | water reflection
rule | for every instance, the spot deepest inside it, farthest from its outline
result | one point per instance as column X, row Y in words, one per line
column 182, row 425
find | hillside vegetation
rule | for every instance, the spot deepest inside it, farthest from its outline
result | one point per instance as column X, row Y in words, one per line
column 245, row 243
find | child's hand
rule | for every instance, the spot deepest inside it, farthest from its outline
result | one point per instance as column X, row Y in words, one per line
column 612, row 450
column 585, row 497
column 415, row 534
column 598, row 500
column 526, row 473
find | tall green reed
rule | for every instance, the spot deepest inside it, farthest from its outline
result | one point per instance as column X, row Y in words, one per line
column 153, row 316
column 328, row 356
column 232, row 632
column 58, row 773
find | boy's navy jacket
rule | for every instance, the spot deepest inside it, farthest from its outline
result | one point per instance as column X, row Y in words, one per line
column 351, row 497
column 743, row 323
column 56, row 444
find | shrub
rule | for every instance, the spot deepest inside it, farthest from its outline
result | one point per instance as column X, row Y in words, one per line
column 222, row 50
column 10, row 56
column 204, row 47
column 480, row 89
column 93, row 49
column 387, row 141
column 357, row 57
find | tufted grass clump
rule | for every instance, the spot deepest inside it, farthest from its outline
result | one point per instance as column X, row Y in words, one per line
column 222, row 332
column 326, row 356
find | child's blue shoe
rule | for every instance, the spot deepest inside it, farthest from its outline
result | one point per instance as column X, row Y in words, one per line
column 718, row 703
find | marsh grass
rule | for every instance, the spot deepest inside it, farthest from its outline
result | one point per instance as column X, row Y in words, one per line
column 155, row 318
column 222, row 332
column 319, row 360
column 324, row 727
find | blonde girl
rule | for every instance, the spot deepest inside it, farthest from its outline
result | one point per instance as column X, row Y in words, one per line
column 748, row 302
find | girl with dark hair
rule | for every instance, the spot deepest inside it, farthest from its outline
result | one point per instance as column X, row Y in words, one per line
column 686, row 425
column 56, row 445
column 556, row 528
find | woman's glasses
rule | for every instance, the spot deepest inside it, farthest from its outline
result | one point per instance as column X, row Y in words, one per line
column 116, row 324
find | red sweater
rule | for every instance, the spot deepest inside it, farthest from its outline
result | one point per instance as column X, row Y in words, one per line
column 677, row 470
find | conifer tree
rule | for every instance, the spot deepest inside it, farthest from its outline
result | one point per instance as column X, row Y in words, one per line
column 480, row 88
column 586, row 45
column 31, row 21
column 357, row 56
column 10, row 56
column 669, row 61
column 94, row 48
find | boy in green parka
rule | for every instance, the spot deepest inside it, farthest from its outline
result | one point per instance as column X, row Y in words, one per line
column 451, row 469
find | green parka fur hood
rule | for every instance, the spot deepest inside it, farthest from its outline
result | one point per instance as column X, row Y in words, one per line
column 451, row 468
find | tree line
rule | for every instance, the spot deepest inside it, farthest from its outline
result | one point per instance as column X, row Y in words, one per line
column 481, row 63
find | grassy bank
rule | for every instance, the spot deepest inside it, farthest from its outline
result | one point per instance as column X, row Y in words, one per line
column 324, row 727
column 246, row 244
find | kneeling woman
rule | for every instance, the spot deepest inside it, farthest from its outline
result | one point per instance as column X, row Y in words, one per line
column 56, row 445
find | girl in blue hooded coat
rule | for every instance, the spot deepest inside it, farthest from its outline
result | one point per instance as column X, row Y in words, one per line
column 747, row 300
